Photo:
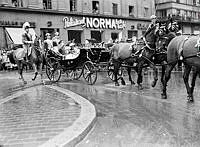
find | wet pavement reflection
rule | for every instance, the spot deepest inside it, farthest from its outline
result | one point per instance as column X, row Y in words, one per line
column 128, row 117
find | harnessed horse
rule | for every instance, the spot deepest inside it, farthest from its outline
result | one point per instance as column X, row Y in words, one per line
column 36, row 59
column 122, row 52
column 182, row 48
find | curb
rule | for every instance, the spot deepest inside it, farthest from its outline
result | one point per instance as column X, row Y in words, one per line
column 80, row 128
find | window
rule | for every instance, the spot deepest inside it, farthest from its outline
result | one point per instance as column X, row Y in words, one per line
column 73, row 5
column 131, row 10
column 178, row 1
column 96, row 35
column 95, row 7
column 17, row 3
column 114, row 7
column 114, row 36
column 146, row 10
column 47, row 4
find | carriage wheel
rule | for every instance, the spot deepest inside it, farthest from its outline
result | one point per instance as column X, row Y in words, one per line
column 53, row 70
column 89, row 72
column 111, row 72
column 74, row 74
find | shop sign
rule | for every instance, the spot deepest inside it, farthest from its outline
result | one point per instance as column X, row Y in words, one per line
column 4, row 23
column 142, row 26
column 97, row 23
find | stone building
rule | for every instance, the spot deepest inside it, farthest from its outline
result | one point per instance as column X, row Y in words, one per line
column 186, row 12
column 77, row 19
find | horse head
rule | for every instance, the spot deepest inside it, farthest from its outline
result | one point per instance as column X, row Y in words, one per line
column 37, row 42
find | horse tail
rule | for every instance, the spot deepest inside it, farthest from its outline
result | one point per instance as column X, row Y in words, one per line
column 11, row 57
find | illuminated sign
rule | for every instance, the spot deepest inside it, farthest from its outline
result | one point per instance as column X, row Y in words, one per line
column 97, row 23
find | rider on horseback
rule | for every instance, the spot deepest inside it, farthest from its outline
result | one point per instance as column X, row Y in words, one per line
column 26, row 39
column 150, row 43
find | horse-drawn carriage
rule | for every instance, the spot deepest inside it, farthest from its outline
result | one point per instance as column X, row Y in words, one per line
column 84, row 61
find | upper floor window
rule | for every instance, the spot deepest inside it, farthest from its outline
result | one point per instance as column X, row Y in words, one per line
column 131, row 10
column 95, row 7
column 47, row 4
column 114, row 7
column 17, row 3
column 146, row 10
column 73, row 5
column 178, row 1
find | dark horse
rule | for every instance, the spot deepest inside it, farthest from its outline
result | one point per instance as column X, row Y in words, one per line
column 36, row 59
column 147, row 56
column 183, row 47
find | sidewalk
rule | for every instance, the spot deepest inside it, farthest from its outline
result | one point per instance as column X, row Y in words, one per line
column 39, row 115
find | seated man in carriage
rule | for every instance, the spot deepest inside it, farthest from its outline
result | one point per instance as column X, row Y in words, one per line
column 48, row 43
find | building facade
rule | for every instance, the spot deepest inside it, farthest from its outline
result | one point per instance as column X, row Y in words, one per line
column 77, row 19
column 186, row 12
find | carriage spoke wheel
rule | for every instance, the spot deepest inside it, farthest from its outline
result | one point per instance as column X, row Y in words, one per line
column 111, row 72
column 74, row 74
column 53, row 70
column 89, row 72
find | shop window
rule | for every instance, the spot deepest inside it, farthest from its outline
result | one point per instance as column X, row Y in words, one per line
column 73, row 5
column 146, row 10
column 47, row 4
column 131, row 10
column 132, row 33
column 114, row 8
column 75, row 35
column 17, row 3
column 95, row 7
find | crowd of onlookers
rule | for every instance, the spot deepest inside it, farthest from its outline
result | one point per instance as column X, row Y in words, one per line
column 5, row 62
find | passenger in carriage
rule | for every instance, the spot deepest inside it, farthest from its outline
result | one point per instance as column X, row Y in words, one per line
column 48, row 43
column 56, row 39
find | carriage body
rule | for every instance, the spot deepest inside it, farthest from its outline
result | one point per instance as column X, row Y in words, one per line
column 87, row 62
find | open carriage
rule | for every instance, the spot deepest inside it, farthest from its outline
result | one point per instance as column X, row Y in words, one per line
column 83, row 61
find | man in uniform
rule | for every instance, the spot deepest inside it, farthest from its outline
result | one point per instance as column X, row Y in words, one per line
column 151, row 26
column 26, row 39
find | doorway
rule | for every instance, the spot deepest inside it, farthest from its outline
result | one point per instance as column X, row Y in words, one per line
column 76, row 35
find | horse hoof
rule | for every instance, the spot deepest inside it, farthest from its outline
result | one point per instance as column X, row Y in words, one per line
column 123, row 83
column 132, row 83
column 163, row 96
column 153, row 84
column 190, row 99
column 116, row 84
column 140, row 87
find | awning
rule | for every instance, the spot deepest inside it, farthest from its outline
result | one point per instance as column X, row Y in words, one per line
column 15, row 34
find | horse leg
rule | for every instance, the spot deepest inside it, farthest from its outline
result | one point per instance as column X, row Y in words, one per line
column 41, row 75
column 186, row 78
column 129, row 76
column 166, row 79
column 139, row 72
column 20, row 71
column 155, row 75
column 194, row 76
column 116, row 70
column 163, row 73
column 35, row 71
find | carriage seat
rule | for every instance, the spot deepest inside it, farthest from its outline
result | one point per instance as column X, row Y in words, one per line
column 69, row 54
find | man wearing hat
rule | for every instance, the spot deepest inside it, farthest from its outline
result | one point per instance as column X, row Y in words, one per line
column 48, row 43
column 56, row 39
column 26, row 39
column 151, row 26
